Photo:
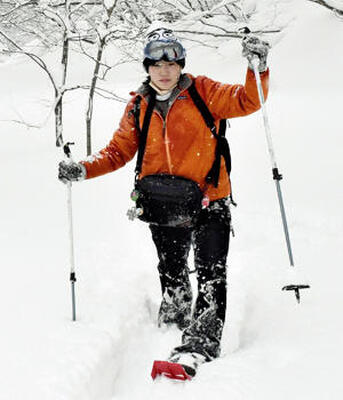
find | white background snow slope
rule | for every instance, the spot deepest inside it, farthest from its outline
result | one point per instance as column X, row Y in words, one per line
column 272, row 347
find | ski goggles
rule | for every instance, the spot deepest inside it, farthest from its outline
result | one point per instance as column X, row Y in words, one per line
column 172, row 50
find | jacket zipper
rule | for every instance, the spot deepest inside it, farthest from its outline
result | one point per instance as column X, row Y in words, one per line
column 166, row 144
column 166, row 139
column 165, row 134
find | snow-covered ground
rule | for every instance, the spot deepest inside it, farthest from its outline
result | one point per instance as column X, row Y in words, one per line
column 272, row 347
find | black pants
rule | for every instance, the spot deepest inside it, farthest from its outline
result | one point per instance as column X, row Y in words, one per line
column 210, row 239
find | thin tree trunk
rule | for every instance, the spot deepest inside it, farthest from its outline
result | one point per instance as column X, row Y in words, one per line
column 89, row 115
column 59, row 94
column 58, row 120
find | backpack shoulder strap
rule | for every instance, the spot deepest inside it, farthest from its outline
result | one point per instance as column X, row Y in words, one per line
column 202, row 107
column 143, row 133
column 136, row 111
column 222, row 148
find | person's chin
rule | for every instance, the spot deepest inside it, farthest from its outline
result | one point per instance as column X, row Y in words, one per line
column 165, row 85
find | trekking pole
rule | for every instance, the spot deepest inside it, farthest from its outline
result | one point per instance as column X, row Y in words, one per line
column 67, row 152
column 277, row 177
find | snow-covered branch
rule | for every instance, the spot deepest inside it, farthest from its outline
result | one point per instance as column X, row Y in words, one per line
column 34, row 57
column 227, row 34
column 17, row 6
column 334, row 5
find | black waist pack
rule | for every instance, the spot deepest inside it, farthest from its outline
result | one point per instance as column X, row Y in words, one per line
column 168, row 200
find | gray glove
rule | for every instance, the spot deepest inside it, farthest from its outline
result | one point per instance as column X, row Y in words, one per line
column 255, row 47
column 72, row 171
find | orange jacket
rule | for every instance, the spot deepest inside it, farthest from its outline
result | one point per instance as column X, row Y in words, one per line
column 182, row 144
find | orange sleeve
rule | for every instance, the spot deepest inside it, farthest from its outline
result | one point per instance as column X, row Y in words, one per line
column 120, row 149
column 229, row 101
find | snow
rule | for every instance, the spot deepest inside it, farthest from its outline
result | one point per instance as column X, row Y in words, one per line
column 272, row 347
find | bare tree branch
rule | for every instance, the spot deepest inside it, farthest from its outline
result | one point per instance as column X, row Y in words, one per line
column 22, row 122
column 230, row 13
column 172, row 5
column 232, row 34
column 79, row 3
column 100, row 92
column 36, row 59
column 330, row 7
column 18, row 6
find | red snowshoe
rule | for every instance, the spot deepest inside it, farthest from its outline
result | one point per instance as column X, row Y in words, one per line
column 172, row 370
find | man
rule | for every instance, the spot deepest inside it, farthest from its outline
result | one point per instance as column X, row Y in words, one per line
column 180, row 144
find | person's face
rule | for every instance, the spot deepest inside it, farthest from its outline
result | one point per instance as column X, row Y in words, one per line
column 165, row 74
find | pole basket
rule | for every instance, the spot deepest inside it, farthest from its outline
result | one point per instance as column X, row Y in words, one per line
column 296, row 289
